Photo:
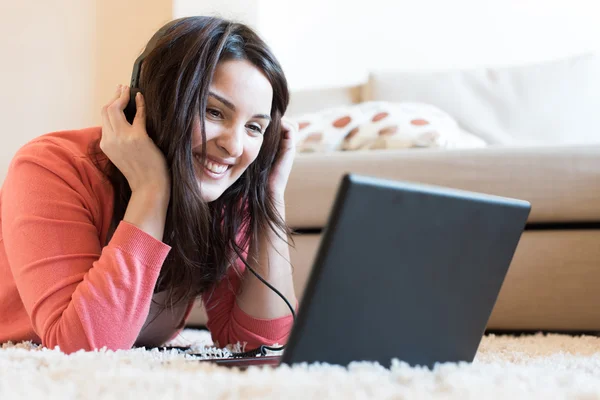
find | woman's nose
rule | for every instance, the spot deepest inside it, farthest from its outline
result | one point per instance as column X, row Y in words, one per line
column 231, row 140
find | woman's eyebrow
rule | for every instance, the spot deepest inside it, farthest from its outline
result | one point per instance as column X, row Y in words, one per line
column 223, row 100
column 231, row 106
column 262, row 116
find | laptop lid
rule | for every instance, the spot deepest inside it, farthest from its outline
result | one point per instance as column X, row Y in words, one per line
column 405, row 271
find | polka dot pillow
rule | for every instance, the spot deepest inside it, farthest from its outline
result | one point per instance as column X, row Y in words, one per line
column 381, row 125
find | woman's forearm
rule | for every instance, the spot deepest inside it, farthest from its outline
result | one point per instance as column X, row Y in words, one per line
column 270, row 258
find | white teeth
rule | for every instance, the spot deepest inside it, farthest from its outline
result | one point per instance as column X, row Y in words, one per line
column 214, row 167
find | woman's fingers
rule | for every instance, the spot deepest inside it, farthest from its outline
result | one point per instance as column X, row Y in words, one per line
column 106, row 126
column 140, row 111
column 129, row 147
column 289, row 128
column 115, row 110
column 289, row 124
column 104, row 111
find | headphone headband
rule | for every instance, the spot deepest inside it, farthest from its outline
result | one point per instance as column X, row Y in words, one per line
column 130, row 108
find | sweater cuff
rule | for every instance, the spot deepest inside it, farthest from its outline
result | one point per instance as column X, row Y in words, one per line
column 275, row 329
column 145, row 248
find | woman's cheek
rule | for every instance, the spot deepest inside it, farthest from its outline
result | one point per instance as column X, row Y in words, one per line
column 251, row 150
column 256, row 146
column 212, row 130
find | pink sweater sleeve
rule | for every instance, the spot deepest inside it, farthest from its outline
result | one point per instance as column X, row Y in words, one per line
column 78, row 295
column 228, row 324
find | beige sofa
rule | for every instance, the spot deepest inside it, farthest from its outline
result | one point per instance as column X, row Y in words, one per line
column 542, row 126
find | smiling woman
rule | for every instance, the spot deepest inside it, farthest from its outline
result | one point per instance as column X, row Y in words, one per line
column 109, row 234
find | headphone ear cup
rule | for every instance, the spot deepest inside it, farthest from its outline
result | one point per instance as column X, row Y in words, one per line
column 130, row 109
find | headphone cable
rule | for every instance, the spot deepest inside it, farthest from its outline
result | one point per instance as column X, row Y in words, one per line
column 262, row 350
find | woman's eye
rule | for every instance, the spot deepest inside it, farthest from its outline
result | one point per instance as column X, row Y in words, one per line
column 255, row 128
column 214, row 113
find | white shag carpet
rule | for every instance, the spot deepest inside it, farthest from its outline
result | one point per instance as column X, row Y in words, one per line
column 533, row 366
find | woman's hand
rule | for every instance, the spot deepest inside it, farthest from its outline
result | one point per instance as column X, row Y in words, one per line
column 283, row 164
column 130, row 148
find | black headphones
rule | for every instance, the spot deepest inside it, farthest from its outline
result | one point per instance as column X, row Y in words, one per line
column 129, row 110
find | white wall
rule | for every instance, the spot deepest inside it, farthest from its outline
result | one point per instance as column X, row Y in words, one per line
column 123, row 28
column 320, row 44
column 437, row 34
column 62, row 59
column 47, row 69
column 336, row 42
column 245, row 11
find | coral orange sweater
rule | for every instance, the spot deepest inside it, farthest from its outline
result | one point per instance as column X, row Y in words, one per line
column 60, row 287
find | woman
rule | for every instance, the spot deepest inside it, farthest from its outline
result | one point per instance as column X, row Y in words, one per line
column 109, row 234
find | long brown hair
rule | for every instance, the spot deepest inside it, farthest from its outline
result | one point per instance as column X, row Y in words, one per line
column 206, row 238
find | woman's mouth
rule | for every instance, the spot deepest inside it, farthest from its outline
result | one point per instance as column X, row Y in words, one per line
column 213, row 169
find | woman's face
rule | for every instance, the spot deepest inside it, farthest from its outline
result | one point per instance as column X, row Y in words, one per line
column 237, row 115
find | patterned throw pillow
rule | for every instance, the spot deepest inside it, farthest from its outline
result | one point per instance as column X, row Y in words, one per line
column 381, row 125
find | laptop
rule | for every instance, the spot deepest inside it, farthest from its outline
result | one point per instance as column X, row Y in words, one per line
column 403, row 271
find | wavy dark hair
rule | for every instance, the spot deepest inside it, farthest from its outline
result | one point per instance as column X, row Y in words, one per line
column 206, row 238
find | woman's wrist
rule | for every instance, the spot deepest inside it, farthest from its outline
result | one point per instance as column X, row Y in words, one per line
column 158, row 192
column 147, row 209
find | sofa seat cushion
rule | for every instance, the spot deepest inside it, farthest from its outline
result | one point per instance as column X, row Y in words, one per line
column 561, row 182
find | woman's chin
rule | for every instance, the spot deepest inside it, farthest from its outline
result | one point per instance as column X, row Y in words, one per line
column 209, row 193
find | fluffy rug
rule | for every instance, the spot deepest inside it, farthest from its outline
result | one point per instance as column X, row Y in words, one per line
column 540, row 366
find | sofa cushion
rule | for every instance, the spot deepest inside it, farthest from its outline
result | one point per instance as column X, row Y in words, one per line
column 555, row 102
column 561, row 182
